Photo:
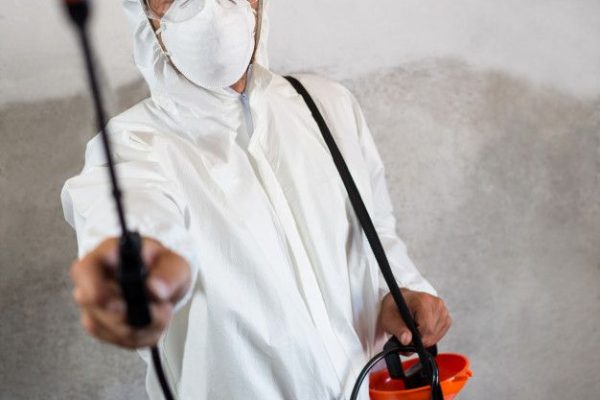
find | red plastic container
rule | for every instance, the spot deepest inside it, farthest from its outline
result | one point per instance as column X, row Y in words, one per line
column 454, row 372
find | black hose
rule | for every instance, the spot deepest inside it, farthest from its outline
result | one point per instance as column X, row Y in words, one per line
column 161, row 374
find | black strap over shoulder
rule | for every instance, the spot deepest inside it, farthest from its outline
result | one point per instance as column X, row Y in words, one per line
column 425, row 356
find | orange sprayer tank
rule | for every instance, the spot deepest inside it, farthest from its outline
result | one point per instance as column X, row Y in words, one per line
column 454, row 372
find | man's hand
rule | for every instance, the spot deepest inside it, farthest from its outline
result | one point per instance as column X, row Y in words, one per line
column 430, row 314
column 98, row 294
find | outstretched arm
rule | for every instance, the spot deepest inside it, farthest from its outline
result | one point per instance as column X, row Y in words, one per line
column 155, row 208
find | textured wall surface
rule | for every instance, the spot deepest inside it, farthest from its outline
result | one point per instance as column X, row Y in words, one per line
column 488, row 121
column 496, row 185
column 550, row 42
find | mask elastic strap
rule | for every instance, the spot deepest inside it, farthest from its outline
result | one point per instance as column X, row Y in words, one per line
column 257, row 26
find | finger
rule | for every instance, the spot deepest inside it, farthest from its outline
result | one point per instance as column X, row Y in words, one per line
column 97, row 330
column 440, row 331
column 101, row 332
column 169, row 277
column 399, row 329
column 425, row 318
column 112, row 321
column 405, row 336
column 440, row 318
column 89, row 282
column 391, row 321
column 114, row 325
column 146, row 339
column 92, row 277
column 167, row 271
column 105, row 292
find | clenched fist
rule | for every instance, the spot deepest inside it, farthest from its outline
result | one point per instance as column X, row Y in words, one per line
column 98, row 294
column 430, row 314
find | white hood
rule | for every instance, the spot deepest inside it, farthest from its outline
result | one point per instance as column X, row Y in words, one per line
column 181, row 107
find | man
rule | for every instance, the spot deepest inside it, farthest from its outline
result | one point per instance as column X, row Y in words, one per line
column 262, row 283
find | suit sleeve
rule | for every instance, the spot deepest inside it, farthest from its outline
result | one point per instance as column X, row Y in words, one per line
column 154, row 204
column 406, row 273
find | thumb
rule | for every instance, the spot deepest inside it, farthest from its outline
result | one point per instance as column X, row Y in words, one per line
column 169, row 277
column 391, row 321
column 402, row 333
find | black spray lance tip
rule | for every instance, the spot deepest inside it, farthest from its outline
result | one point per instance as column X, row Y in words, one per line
column 78, row 10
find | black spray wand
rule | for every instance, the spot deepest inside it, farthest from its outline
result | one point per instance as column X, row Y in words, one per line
column 132, row 271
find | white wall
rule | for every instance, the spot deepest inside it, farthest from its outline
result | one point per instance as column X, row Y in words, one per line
column 549, row 42
column 38, row 54
column 494, row 180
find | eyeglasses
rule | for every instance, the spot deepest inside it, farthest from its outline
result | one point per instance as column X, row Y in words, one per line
column 182, row 10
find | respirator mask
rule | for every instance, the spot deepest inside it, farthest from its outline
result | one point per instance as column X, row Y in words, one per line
column 210, row 42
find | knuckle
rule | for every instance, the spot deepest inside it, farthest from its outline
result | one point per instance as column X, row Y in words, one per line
column 74, row 269
column 89, row 325
column 141, row 338
column 164, row 313
column 134, row 344
column 76, row 294
column 106, row 244
column 445, row 314
column 426, row 301
column 127, row 332
column 388, row 300
column 428, row 330
column 126, row 343
column 80, row 298
column 91, row 297
column 161, row 323
column 443, row 306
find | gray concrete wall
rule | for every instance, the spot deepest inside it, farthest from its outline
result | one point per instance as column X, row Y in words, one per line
column 494, row 171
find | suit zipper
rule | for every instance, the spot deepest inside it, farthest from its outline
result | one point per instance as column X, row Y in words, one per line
column 247, row 114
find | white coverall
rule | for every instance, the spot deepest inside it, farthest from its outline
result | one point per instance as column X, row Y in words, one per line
column 286, row 290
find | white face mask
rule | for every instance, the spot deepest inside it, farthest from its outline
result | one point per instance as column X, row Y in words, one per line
column 213, row 44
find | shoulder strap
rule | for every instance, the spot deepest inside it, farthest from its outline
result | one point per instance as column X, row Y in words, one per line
column 355, row 197
column 365, row 221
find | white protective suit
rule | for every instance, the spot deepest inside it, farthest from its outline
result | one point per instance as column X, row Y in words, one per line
column 286, row 290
